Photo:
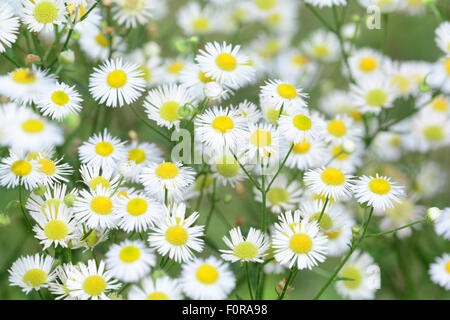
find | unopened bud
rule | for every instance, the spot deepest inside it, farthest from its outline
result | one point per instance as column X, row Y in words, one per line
column 213, row 90
column 356, row 18
column 4, row 219
column 152, row 49
column 67, row 57
column 32, row 58
column 281, row 286
column 40, row 191
column 356, row 230
column 181, row 45
column 69, row 199
column 107, row 3
column 227, row 198
column 184, row 111
column 433, row 214
column 348, row 146
column 133, row 135
column 193, row 39
column 75, row 35
column 72, row 121
column 108, row 30
column 239, row 222
column 424, row 87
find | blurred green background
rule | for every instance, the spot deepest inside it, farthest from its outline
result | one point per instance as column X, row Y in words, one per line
column 404, row 263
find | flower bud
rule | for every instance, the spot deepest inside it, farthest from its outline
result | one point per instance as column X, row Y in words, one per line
column 152, row 49
column 69, row 199
column 72, row 121
column 184, row 111
column 4, row 219
column 424, row 87
column 227, row 198
column 356, row 230
column 433, row 214
column 213, row 90
column 67, row 57
column 75, row 35
column 356, row 18
column 40, row 191
column 348, row 146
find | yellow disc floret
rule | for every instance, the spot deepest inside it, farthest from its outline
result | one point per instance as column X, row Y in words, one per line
column 226, row 62
column 33, row 126
column 167, row 170
column 137, row 206
column 101, row 205
column 333, row 176
column 129, row 254
column 223, row 124
column 23, row 76
column 169, row 111
column 21, row 168
column 60, row 98
column 300, row 243
column 117, row 79
column 94, row 285
column 45, row 12
column 104, row 149
column 56, row 230
column 176, row 235
column 35, row 277
column 379, row 186
column 287, row 91
column 261, row 138
column 301, row 122
column 245, row 250
column 207, row 274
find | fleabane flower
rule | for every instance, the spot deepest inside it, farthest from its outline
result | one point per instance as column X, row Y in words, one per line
column 132, row 12
column 59, row 101
column 326, row 3
column 251, row 249
column 162, row 288
column 281, row 94
column 442, row 37
column 17, row 169
column 32, row 272
column 91, row 282
column 9, row 27
column 298, row 244
column 301, row 125
column 43, row 15
column 102, row 150
column 365, row 62
column 130, row 261
column 440, row 271
column 378, row 192
column 225, row 64
column 329, row 182
column 176, row 236
column 116, row 83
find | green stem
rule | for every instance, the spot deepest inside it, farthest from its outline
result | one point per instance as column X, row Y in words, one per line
column 341, row 265
column 249, row 283
column 149, row 125
column 281, row 167
column 318, row 16
column 323, row 210
column 256, row 184
column 22, row 208
column 211, row 209
column 10, row 59
column 371, row 235
column 289, row 280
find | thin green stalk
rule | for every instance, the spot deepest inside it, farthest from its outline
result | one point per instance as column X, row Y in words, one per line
column 213, row 204
column 279, row 169
column 291, row 277
column 341, row 265
column 90, row 9
column 10, row 59
column 323, row 209
column 371, row 235
column 149, row 125
column 318, row 16
column 256, row 184
column 249, row 283
column 202, row 190
column 22, row 208
column 263, row 203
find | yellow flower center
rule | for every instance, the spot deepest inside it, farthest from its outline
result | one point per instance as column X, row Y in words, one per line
column 368, row 64
column 261, row 138
column 332, row 234
column 300, row 60
column 200, row 24
column 167, row 170
column 376, row 97
column 245, row 250
column 35, row 277
column 176, row 235
column 60, row 98
column 401, row 82
column 104, row 149
column 351, row 273
column 447, row 66
column 326, row 223
column 157, row 295
column 434, row 133
column 226, row 62
column 447, row 267
column 137, row 207
column 101, row 205
column 301, row 147
column 223, row 124
column 227, row 166
column 47, row 166
column 379, row 186
column 146, row 72
column 320, row 50
column 300, row 243
column 439, row 104
column 102, row 40
column 137, row 155
column 277, row 195
column 207, row 274
column 333, row 177
column 338, row 150
column 94, row 285
column 95, row 182
column 175, row 67
column 287, row 91
column 266, row 4
column 169, row 111
column 301, row 122
column 23, row 76
column 21, row 168
column 45, row 12
column 33, row 126
column 272, row 114
column 117, row 79
column 336, row 128
column 56, row 230
column 129, row 254
column 203, row 78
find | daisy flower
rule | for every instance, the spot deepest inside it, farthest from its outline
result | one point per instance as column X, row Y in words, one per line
column 17, row 169
column 43, row 15
column 95, row 208
column 195, row 20
column 9, row 27
column 172, row 68
column 402, row 214
column 295, row 66
column 364, row 274
column 88, row 239
column 32, row 272
column 227, row 169
column 442, row 224
column 137, row 212
column 58, row 286
column 207, row 279
column 225, row 64
column 55, row 225
column 93, row 179
column 176, row 236
column 301, row 125
column 340, row 239
column 329, row 182
column 59, row 101
column 442, row 38
column 372, row 94
column 440, row 271
column 54, row 170
column 439, row 77
column 251, row 249
column 249, row 111
column 220, row 129
column 281, row 94
column 129, row 261
column 298, row 244
column 102, row 150
column 428, row 132
column 91, row 282
column 341, row 128
column 304, row 155
column 192, row 78
column 345, row 161
column 166, row 179
column 326, row 3
column 261, row 142
column 132, row 12
column 116, row 83
column 282, row 195
column 379, row 192
column 322, row 46
column 162, row 104
column 340, row 102
column 365, row 62
column 163, row 288
column 95, row 44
